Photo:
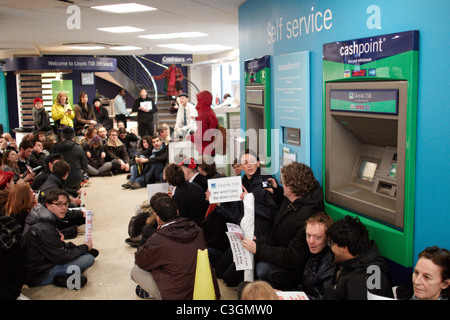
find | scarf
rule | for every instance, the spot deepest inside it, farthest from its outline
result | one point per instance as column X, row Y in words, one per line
column 155, row 151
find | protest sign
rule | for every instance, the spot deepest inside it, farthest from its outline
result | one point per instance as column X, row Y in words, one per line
column 225, row 189
column 88, row 225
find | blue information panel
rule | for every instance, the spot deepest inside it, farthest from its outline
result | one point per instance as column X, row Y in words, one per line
column 291, row 112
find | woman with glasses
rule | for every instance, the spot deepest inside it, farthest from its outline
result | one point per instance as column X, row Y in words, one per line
column 48, row 258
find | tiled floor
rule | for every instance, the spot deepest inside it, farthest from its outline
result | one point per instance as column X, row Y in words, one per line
column 109, row 277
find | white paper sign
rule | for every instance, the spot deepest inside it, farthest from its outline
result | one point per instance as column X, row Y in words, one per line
column 88, row 225
column 292, row 295
column 147, row 105
column 225, row 189
column 156, row 187
column 241, row 257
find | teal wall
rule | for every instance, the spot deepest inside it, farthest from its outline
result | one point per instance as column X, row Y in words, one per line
column 351, row 20
column 3, row 103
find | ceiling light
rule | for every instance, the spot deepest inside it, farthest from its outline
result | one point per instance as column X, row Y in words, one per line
column 125, row 48
column 186, row 47
column 124, row 8
column 194, row 34
column 87, row 47
column 123, row 29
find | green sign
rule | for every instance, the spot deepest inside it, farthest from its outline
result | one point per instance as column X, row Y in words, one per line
column 370, row 101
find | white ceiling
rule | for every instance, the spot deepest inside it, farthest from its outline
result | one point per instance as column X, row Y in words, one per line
column 38, row 27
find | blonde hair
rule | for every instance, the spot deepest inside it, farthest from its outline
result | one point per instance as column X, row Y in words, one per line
column 259, row 290
column 60, row 95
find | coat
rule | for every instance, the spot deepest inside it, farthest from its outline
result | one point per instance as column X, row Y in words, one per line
column 75, row 156
column 350, row 278
column 265, row 207
column 60, row 117
column 170, row 255
column 206, row 120
column 43, row 247
column 191, row 202
column 83, row 115
column 286, row 247
column 318, row 274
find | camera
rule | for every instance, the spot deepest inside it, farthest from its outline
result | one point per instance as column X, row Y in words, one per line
column 266, row 184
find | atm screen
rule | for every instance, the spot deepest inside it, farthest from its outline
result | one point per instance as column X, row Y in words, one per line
column 367, row 171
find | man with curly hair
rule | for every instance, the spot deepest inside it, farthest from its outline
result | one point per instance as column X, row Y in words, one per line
column 280, row 259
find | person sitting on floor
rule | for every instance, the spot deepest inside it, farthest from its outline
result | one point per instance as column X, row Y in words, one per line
column 149, row 166
column 96, row 155
column 166, row 264
column 354, row 254
column 190, row 169
column 188, row 196
column 117, row 153
column 48, row 258
column 281, row 257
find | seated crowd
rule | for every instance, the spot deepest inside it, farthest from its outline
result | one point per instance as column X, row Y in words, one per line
column 296, row 245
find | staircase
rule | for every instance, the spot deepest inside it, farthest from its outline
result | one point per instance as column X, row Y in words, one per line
column 133, row 76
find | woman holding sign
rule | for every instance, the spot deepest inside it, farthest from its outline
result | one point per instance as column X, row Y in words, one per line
column 265, row 210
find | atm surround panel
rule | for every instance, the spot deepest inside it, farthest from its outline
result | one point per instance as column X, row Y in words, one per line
column 365, row 155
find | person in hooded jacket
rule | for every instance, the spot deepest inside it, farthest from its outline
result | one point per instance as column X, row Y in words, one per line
column 354, row 254
column 166, row 263
column 74, row 155
column 281, row 258
column 47, row 257
column 206, row 120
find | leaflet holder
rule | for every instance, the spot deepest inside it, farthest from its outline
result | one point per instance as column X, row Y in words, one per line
column 365, row 148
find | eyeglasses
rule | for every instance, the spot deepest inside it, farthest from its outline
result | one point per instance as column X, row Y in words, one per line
column 61, row 205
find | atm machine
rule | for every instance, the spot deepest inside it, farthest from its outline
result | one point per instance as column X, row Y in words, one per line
column 365, row 148
column 370, row 111
column 257, row 107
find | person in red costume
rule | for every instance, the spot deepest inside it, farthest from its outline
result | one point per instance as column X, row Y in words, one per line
column 206, row 120
column 172, row 75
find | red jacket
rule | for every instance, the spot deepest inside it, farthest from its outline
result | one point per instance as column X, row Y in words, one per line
column 206, row 120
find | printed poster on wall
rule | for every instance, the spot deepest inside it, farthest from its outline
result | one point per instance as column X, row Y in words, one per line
column 291, row 96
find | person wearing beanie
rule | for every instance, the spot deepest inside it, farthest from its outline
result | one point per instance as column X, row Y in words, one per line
column 206, row 120
column 41, row 117
column 102, row 114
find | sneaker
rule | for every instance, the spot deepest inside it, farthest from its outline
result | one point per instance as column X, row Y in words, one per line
column 134, row 242
column 22, row 297
column 141, row 293
column 61, row 281
column 136, row 185
column 127, row 185
column 94, row 252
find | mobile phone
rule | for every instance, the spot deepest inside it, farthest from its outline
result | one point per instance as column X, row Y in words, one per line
column 266, row 184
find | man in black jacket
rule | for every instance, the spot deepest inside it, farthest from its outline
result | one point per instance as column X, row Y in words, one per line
column 146, row 108
column 48, row 259
column 281, row 258
column 74, row 155
column 360, row 267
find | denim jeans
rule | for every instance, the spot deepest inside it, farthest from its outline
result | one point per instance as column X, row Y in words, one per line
column 83, row 262
column 155, row 171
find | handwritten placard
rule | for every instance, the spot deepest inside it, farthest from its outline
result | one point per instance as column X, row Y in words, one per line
column 225, row 189
column 88, row 225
